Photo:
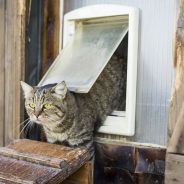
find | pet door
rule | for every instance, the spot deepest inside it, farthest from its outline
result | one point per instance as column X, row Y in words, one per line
column 91, row 36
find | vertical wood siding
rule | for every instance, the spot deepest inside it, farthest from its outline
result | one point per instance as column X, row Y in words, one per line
column 176, row 110
column 50, row 37
column 155, row 72
column 12, row 43
column 14, row 66
column 2, row 83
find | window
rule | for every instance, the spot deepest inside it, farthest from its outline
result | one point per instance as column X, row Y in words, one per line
column 91, row 36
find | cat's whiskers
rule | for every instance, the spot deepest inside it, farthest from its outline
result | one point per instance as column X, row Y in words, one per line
column 24, row 127
column 18, row 126
column 28, row 127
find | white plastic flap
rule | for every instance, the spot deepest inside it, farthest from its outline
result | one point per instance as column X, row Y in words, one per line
column 82, row 60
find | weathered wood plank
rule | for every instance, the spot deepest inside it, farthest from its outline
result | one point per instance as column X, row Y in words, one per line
column 52, row 155
column 149, row 179
column 150, row 161
column 51, row 32
column 34, row 158
column 176, row 142
column 116, row 156
column 129, row 163
column 27, row 157
column 18, row 171
column 61, row 155
column 83, row 176
column 177, row 97
column 2, row 68
column 9, row 54
column 176, row 111
column 174, row 169
column 14, row 66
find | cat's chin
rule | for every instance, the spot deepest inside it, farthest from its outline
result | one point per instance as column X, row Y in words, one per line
column 37, row 122
column 45, row 123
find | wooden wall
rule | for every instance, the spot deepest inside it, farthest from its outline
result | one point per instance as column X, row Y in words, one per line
column 13, row 42
column 2, row 40
column 176, row 115
column 175, row 150
column 128, row 163
column 12, row 53
column 51, row 32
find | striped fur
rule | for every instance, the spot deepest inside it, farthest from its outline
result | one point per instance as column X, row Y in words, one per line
column 72, row 118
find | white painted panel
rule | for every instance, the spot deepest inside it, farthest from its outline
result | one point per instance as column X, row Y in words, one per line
column 155, row 72
column 119, row 125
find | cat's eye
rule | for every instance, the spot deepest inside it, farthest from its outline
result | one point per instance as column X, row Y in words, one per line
column 32, row 105
column 48, row 106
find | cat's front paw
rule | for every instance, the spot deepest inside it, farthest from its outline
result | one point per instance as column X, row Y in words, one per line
column 74, row 142
column 66, row 148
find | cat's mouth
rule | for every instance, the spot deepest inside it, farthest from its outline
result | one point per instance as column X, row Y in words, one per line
column 35, row 119
column 44, row 121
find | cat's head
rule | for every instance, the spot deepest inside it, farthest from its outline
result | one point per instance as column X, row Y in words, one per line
column 46, row 105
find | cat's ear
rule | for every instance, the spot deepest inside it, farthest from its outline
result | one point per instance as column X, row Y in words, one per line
column 60, row 89
column 26, row 88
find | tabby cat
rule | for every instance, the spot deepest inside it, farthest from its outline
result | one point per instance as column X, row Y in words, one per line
column 70, row 118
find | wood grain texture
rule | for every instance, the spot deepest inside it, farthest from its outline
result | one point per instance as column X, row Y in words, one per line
column 174, row 169
column 83, row 176
column 34, row 158
column 176, row 141
column 2, row 65
column 176, row 111
column 51, row 32
column 150, row 161
column 14, row 66
column 149, row 179
column 175, row 162
column 47, row 154
column 17, row 171
column 26, row 161
column 129, row 164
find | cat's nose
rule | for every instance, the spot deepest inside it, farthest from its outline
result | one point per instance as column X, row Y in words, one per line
column 37, row 114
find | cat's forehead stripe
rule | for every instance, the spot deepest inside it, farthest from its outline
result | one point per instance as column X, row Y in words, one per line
column 39, row 95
